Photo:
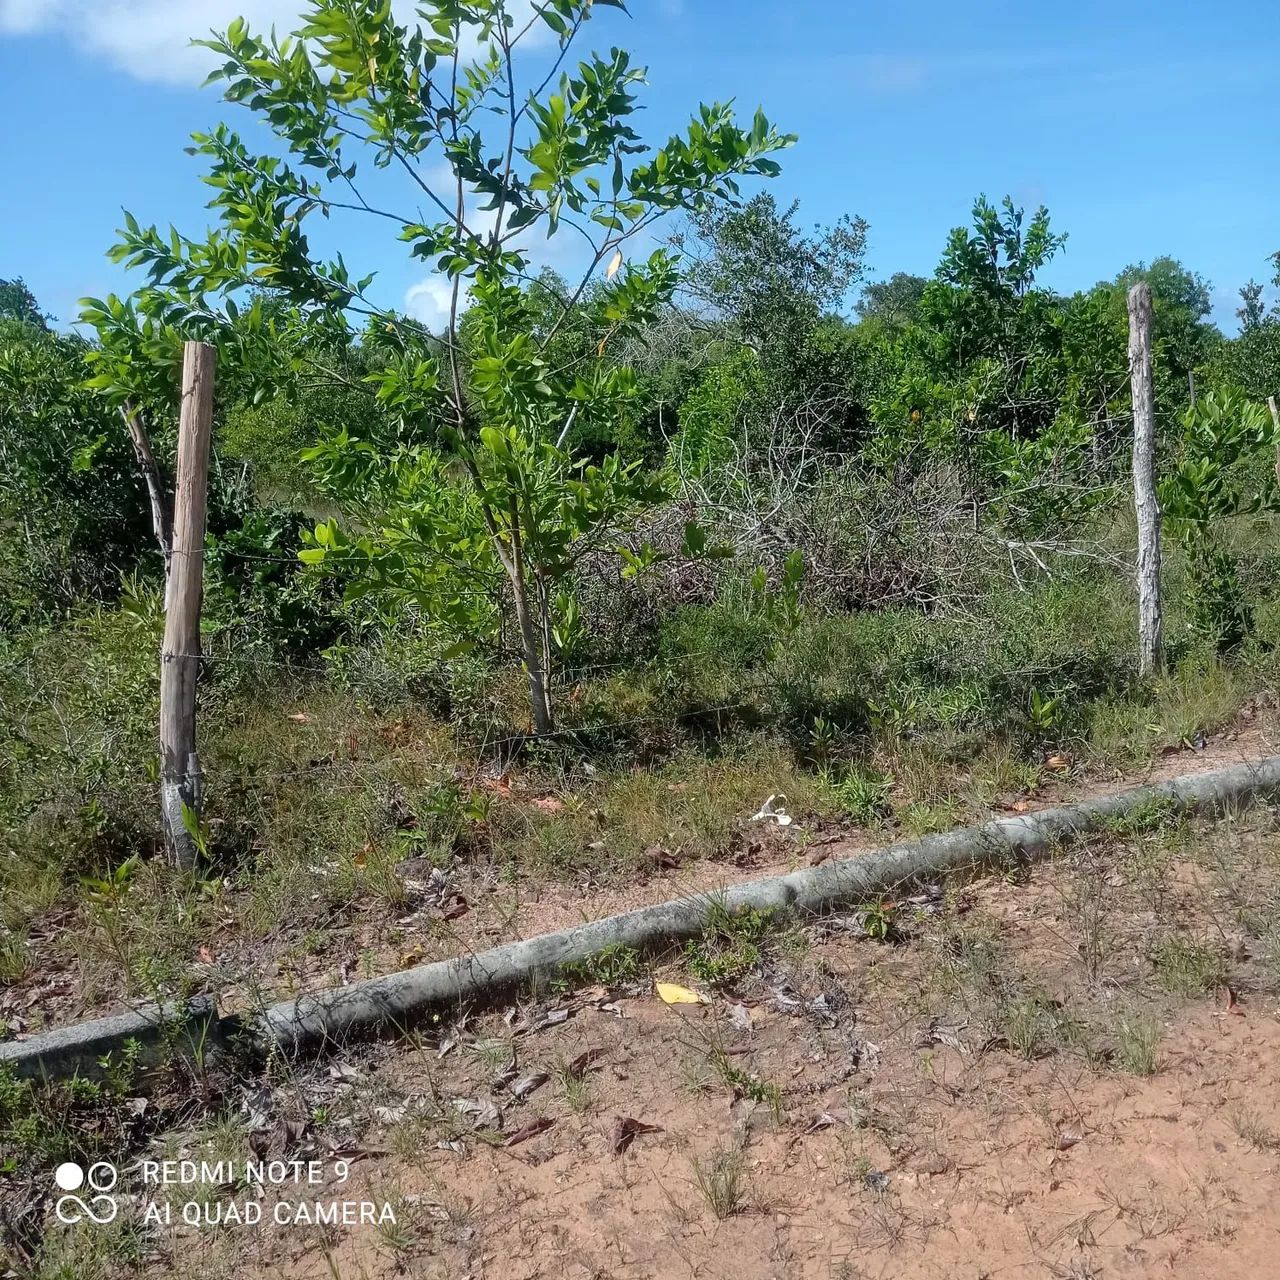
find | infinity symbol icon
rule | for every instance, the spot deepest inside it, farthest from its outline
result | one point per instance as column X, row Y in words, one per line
column 101, row 1178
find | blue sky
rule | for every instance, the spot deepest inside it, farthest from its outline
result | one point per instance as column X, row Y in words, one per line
column 1147, row 128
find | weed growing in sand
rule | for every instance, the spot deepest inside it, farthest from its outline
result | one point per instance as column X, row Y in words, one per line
column 745, row 1085
column 1251, row 1129
column 720, row 1178
column 734, row 943
column 574, row 1084
column 1137, row 1041
column 1035, row 1025
column 616, row 965
column 1186, row 967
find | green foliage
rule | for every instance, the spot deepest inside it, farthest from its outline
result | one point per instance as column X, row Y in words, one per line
column 617, row 965
column 863, row 794
column 894, row 302
column 732, row 944
column 714, row 413
column 1181, row 299
column 258, row 594
column 1251, row 362
column 879, row 920
column 73, row 512
column 1010, row 384
column 17, row 302
column 756, row 269
column 352, row 87
column 1214, row 478
column 779, row 604
column 272, row 434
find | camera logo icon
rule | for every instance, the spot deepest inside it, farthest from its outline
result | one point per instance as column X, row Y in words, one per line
column 100, row 1179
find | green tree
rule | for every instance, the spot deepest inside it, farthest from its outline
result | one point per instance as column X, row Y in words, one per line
column 772, row 282
column 353, row 87
column 17, row 302
column 1252, row 310
column 1224, row 468
column 980, row 365
column 72, row 507
column 894, row 302
column 1185, row 340
column 984, row 298
column 763, row 295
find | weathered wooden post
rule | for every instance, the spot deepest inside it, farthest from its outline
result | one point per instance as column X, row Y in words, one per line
column 180, row 657
column 1145, row 500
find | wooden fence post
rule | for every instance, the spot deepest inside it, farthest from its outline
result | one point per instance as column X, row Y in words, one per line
column 1145, row 500
column 180, row 657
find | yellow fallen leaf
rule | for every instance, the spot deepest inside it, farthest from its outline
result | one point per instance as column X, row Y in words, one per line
column 674, row 993
column 614, row 265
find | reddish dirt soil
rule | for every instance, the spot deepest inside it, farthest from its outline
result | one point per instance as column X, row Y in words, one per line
column 499, row 911
column 887, row 1116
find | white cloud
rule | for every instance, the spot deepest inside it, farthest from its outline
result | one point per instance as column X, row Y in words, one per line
column 429, row 302
column 151, row 39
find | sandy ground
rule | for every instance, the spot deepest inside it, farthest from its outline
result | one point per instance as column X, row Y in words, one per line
column 849, row 1108
column 484, row 907
column 499, row 911
column 1153, row 1180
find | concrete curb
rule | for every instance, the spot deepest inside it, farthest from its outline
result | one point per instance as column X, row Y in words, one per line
column 191, row 1029
column 399, row 1001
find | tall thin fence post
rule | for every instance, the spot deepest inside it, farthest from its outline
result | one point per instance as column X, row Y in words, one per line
column 1145, row 499
column 1275, row 422
column 180, row 785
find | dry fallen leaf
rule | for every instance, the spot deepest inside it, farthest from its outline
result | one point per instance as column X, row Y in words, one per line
column 661, row 856
column 552, row 1018
column 549, row 804
column 578, row 1067
column 482, row 1113
column 531, row 1130
column 527, row 1084
column 674, row 993
column 823, row 1120
column 300, row 717
column 627, row 1129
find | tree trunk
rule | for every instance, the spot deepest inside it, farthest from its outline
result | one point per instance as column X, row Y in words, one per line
column 180, row 784
column 530, row 641
column 1275, row 419
column 161, row 515
column 1145, row 500
column 531, row 648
